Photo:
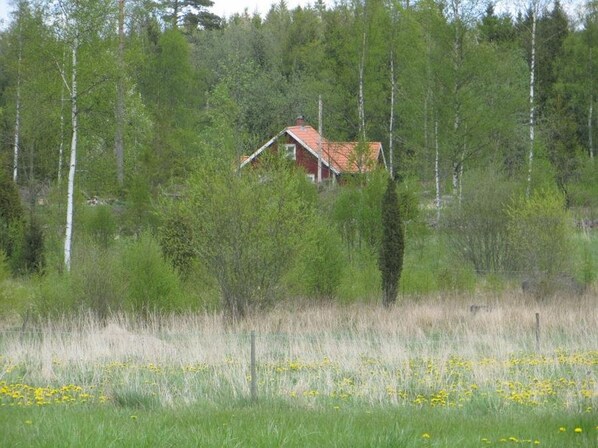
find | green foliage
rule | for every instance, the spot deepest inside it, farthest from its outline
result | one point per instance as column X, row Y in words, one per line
column 96, row 280
column 456, row 279
column 320, row 262
column 540, row 234
column 11, row 217
column 138, row 213
column 392, row 247
column 583, row 191
column 361, row 279
column 249, row 226
column 33, row 252
column 16, row 299
column 4, row 268
column 176, row 238
column 477, row 227
column 101, row 225
column 150, row 282
column 357, row 212
column 55, row 295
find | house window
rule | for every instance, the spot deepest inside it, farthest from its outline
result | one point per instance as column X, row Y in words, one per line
column 290, row 151
column 312, row 178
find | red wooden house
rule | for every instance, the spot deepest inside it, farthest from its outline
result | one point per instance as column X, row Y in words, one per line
column 302, row 144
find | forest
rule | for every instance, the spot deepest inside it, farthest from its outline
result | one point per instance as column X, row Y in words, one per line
column 123, row 123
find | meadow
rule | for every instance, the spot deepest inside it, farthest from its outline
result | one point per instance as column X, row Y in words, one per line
column 431, row 372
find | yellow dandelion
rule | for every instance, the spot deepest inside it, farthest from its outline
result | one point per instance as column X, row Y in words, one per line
column 562, row 429
column 578, row 430
column 425, row 435
column 536, row 442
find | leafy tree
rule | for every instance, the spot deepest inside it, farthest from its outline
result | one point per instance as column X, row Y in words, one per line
column 11, row 216
column 540, row 235
column 32, row 255
column 192, row 14
column 478, row 227
column 248, row 229
column 393, row 244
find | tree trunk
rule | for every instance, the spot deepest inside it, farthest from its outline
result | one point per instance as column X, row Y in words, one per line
column 320, row 130
column 591, row 109
column 120, row 98
column 61, row 145
column 532, row 105
column 457, row 67
column 15, row 165
column 590, row 129
column 73, row 164
column 361, row 96
column 437, row 170
column 393, row 83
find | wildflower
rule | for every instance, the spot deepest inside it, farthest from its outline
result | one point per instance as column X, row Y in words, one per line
column 578, row 430
column 425, row 435
column 562, row 429
column 536, row 442
column 28, row 422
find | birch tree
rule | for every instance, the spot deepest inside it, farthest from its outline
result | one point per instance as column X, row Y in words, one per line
column 79, row 23
column 120, row 98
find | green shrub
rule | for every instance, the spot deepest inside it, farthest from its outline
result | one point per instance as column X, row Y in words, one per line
column 100, row 224
column 456, row 279
column 17, row 297
column 33, row 253
column 150, row 282
column 248, row 229
column 55, row 295
column 361, row 280
column 392, row 247
column 477, row 227
column 176, row 238
column 320, row 262
column 540, row 231
column 97, row 282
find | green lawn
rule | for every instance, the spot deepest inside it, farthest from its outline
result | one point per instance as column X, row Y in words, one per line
column 277, row 425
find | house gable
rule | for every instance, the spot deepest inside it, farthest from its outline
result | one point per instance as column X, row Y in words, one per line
column 337, row 157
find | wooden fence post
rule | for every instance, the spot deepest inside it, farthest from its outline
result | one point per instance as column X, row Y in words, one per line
column 537, row 332
column 253, row 369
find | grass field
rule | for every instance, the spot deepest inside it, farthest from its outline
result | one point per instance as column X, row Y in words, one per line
column 430, row 373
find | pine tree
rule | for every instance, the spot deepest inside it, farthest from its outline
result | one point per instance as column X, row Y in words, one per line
column 393, row 244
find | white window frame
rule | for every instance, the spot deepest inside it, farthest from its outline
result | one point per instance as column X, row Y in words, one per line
column 290, row 151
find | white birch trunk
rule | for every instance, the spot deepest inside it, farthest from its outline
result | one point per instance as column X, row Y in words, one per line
column 437, row 170
column 457, row 65
column 15, row 165
column 591, row 110
column 392, row 116
column 62, row 101
column 320, row 130
column 73, row 163
column 590, row 129
column 120, row 98
column 361, row 96
column 532, row 105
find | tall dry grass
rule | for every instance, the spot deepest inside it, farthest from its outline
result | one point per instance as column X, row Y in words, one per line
column 303, row 347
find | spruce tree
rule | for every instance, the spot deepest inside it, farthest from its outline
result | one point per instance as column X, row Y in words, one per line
column 393, row 244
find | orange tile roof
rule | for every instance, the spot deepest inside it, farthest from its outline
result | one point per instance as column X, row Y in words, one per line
column 340, row 155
